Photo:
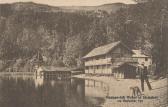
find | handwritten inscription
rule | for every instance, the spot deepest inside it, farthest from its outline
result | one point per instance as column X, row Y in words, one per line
column 132, row 99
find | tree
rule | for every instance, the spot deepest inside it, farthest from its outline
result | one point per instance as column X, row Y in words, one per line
column 73, row 50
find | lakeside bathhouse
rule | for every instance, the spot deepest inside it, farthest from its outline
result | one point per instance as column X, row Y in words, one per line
column 114, row 59
column 51, row 72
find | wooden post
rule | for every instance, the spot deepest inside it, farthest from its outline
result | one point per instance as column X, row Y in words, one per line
column 93, row 69
column 106, row 70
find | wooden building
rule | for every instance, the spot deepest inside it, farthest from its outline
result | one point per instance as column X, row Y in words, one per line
column 105, row 59
column 51, row 72
column 126, row 70
column 142, row 58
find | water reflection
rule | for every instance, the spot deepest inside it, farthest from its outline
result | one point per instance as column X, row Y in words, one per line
column 38, row 81
column 37, row 92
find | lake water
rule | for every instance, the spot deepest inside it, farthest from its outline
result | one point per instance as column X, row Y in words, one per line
column 37, row 92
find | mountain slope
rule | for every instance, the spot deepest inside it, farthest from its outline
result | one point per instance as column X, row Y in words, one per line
column 25, row 6
column 64, row 35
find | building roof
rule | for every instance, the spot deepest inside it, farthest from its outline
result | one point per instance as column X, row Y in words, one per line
column 126, row 63
column 139, row 54
column 52, row 68
column 102, row 49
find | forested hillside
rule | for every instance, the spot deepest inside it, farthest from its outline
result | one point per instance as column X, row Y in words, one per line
column 64, row 37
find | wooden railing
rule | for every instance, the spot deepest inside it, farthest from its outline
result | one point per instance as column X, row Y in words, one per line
column 16, row 69
column 17, row 73
column 124, row 60
column 98, row 62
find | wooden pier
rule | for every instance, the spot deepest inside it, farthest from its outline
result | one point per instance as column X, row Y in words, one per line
column 46, row 72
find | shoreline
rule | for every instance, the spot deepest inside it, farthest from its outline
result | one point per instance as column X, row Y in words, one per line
column 121, row 87
column 17, row 73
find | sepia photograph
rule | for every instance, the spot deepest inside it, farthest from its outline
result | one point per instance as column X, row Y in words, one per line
column 83, row 53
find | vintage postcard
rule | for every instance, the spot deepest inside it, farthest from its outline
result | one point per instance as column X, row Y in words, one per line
column 83, row 53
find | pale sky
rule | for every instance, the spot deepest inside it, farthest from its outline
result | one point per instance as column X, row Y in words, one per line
column 70, row 2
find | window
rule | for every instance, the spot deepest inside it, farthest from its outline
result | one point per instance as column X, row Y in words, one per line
column 146, row 59
column 97, row 58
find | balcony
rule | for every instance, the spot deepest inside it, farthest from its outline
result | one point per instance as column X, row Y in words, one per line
column 133, row 60
column 109, row 61
column 98, row 62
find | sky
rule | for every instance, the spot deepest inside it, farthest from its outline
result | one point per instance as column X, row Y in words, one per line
column 70, row 2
